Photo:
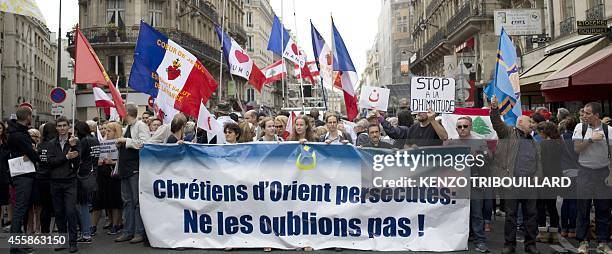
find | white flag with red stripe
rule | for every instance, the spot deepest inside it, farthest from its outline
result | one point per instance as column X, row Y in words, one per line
column 275, row 71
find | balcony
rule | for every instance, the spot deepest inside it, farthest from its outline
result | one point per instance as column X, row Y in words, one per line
column 436, row 40
column 458, row 31
column 238, row 32
column 432, row 7
column 568, row 26
column 105, row 36
column 596, row 12
column 209, row 12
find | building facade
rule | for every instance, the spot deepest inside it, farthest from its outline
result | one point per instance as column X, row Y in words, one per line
column 111, row 26
column 258, row 18
column 28, row 60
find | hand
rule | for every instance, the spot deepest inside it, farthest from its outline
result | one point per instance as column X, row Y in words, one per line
column 180, row 142
column 73, row 141
column 121, row 140
column 597, row 136
column 431, row 115
column 327, row 141
column 494, row 103
column 303, row 141
column 377, row 113
column 609, row 180
column 344, row 142
column 71, row 155
column 25, row 158
column 100, row 162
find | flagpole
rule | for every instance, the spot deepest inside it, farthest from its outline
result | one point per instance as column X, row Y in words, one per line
column 221, row 55
column 299, row 67
column 282, row 57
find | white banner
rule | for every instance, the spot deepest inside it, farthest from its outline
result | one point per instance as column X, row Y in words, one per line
column 518, row 21
column 374, row 98
column 432, row 92
column 286, row 196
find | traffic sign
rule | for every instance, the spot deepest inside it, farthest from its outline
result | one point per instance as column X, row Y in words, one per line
column 25, row 104
column 58, row 95
column 592, row 27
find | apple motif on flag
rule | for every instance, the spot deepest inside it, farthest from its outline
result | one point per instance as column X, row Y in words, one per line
column 241, row 57
column 173, row 70
column 294, row 48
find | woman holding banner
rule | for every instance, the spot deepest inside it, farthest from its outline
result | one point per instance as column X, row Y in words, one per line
column 232, row 133
column 269, row 133
column 109, row 187
column 303, row 130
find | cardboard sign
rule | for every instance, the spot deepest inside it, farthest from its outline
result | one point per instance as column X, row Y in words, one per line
column 108, row 149
column 432, row 92
column 374, row 98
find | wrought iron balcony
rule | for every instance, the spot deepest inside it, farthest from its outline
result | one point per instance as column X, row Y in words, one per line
column 461, row 16
column 431, row 8
column 209, row 12
column 435, row 41
column 238, row 32
column 568, row 26
column 596, row 12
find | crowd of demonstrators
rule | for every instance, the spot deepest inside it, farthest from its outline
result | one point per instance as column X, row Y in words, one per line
column 81, row 189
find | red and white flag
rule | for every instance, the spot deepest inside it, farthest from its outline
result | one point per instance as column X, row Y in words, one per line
column 275, row 71
column 209, row 123
column 289, row 128
column 309, row 71
column 240, row 63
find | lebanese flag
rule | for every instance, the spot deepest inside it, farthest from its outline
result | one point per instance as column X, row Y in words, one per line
column 289, row 128
column 309, row 71
column 89, row 70
column 173, row 76
column 275, row 71
column 240, row 64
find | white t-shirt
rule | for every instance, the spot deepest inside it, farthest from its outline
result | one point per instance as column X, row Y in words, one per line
column 595, row 156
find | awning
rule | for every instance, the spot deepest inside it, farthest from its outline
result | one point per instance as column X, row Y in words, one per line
column 588, row 79
column 555, row 62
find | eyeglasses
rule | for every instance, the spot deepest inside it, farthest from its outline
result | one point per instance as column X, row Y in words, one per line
column 462, row 126
column 278, row 126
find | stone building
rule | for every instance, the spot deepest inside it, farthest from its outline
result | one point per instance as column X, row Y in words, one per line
column 394, row 45
column 27, row 60
column 111, row 26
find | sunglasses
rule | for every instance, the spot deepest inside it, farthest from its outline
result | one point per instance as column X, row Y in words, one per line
column 229, row 132
column 462, row 126
column 278, row 126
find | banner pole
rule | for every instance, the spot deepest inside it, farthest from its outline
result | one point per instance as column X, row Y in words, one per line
column 283, row 84
column 300, row 67
column 221, row 54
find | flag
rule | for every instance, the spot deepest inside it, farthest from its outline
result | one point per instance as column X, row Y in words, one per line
column 346, row 76
column 173, row 76
column 308, row 71
column 376, row 98
column 323, row 57
column 240, row 63
column 481, row 123
column 283, row 44
column 289, row 127
column 209, row 123
column 505, row 85
column 89, row 70
column 22, row 7
column 275, row 71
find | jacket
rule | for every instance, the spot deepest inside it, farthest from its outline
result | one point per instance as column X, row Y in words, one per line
column 89, row 155
column 504, row 161
column 19, row 143
column 139, row 133
column 53, row 159
column 341, row 136
column 399, row 134
column 4, row 170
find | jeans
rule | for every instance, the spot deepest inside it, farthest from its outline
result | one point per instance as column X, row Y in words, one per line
column 131, row 206
column 23, row 192
column 529, row 220
column 590, row 184
column 64, row 194
column 476, row 219
column 550, row 206
column 568, row 215
column 487, row 209
column 85, row 219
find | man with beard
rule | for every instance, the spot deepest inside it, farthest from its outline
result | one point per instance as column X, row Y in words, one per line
column 427, row 132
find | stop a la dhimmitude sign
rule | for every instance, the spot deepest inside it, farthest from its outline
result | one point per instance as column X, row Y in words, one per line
column 437, row 93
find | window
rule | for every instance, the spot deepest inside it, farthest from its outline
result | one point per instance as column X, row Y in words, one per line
column 593, row 3
column 115, row 69
column 249, row 43
column 115, row 10
column 249, row 19
column 568, row 9
column 250, row 94
column 155, row 13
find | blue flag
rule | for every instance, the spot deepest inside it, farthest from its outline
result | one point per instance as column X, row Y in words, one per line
column 282, row 44
column 505, row 85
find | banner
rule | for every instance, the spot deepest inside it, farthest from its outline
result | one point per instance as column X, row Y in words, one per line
column 374, row 98
column 432, row 92
column 287, row 196
column 108, row 149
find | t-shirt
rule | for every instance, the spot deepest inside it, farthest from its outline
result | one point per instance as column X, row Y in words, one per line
column 423, row 136
column 172, row 140
column 595, row 156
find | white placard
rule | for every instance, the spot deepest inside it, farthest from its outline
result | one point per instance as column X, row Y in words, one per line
column 18, row 166
column 518, row 21
column 374, row 98
column 432, row 92
column 108, row 149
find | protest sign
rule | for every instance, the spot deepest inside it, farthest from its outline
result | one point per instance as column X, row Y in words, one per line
column 287, row 196
column 432, row 92
column 108, row 149
column 374, row 98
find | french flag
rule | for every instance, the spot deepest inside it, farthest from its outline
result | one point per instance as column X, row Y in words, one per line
column 346, row 74
column 282, row 44
column 275, row 71
column 323, row 57
column 173, row 76
column 240, row 64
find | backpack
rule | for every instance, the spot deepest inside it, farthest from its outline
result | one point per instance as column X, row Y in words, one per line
column 605, row 131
